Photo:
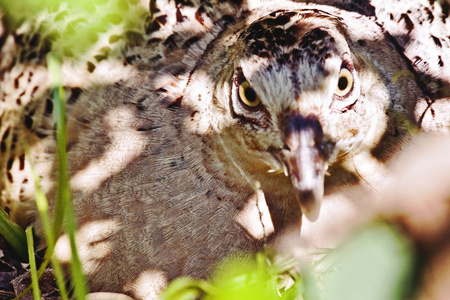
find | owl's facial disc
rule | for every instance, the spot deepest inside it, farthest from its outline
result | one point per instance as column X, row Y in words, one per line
column 294, row 71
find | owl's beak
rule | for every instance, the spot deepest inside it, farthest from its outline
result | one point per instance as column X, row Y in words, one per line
column 305, row 162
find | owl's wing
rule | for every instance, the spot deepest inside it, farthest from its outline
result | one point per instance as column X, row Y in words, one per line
column 204, row 12
column 421, row 30
column 182, row 24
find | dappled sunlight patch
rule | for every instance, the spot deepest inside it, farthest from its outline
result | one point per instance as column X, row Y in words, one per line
column 148, row 285
column 255, row 217
column 126, row 145
column 92, row 243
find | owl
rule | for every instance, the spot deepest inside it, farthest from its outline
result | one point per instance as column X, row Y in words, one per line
column 213, row 127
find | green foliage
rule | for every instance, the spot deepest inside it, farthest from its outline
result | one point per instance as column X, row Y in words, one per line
column 13, row 234
column 240, row 277
column 72, row 27
column 376, row 264
column 249, row 277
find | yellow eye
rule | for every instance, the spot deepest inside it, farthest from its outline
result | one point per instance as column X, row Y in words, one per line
column 345, row 82
column 248, row 95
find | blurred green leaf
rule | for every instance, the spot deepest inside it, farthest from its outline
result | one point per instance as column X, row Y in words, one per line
column 184, row 289
column 375, row 265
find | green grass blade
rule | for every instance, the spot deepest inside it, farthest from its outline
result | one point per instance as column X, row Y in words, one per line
column 78, row 278
column 63, row 205
column 13, row 234
column 41, row 204
column 63, row 195
column 43, row 209
column 33, row 271
column 59, row 275
column 63, row 192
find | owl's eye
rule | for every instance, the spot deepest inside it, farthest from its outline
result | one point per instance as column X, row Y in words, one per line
column 248, row 95
column 345, row 83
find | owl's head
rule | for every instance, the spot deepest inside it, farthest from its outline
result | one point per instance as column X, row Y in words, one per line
column 299, row 90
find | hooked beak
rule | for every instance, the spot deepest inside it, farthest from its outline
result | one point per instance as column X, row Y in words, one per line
column 305, row 160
